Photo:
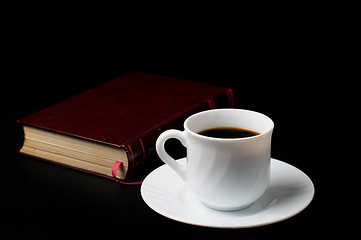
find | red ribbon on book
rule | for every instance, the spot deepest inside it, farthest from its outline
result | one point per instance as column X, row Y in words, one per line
column 114, row 173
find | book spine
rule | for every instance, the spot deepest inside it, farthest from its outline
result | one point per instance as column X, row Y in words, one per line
column 142, row 157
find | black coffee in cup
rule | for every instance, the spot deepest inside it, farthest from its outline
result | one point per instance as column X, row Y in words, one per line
column 228, row 132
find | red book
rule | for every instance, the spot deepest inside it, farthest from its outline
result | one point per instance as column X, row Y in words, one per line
column 111, row 130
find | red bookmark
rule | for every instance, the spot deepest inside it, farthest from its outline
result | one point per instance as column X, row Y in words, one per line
column 114, row 173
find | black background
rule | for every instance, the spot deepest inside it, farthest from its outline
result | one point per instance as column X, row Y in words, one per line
column 289, row 69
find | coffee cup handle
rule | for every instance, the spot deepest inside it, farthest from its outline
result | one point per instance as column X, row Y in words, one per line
column 164, row 156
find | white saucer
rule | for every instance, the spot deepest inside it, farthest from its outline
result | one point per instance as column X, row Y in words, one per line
column 289, row 192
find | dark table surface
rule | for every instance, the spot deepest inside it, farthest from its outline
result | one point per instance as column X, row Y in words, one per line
column 42, row 199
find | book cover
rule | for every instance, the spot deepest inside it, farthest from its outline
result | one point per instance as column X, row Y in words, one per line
column 126, row 114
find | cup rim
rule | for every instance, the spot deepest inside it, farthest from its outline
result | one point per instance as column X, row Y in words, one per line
column 228, row 139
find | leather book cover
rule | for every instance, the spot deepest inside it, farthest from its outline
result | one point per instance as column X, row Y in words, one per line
column 129, row 112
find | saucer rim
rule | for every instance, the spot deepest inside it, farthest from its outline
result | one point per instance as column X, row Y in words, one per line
column 306, row 204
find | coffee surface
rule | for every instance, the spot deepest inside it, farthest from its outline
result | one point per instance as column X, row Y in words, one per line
column 228, row 132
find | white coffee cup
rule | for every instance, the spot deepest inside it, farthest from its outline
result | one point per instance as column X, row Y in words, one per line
column 224, row 173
